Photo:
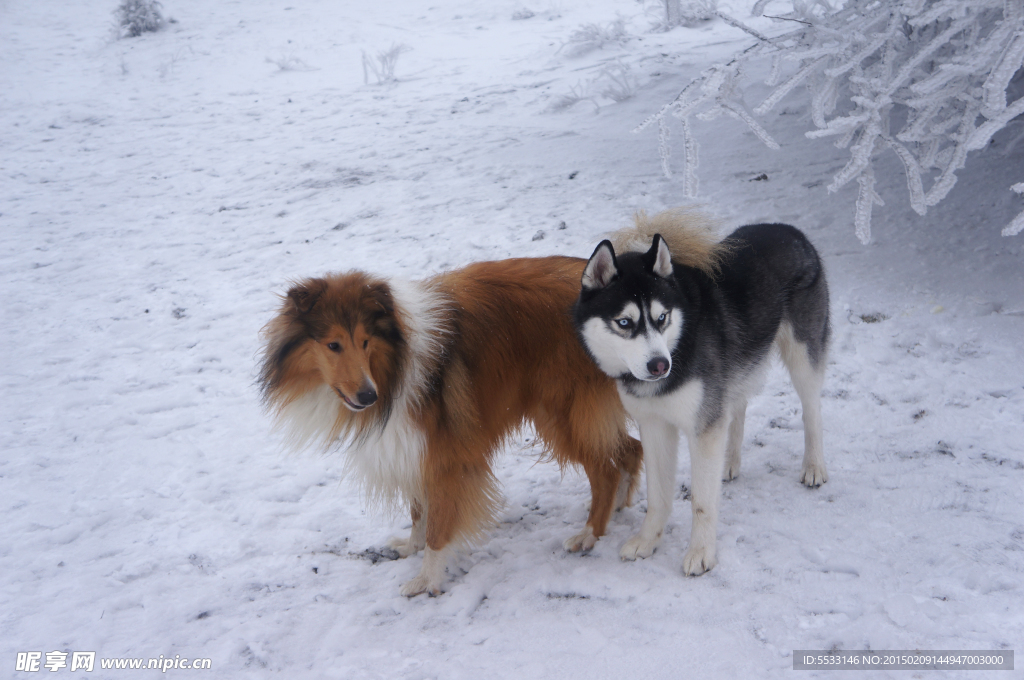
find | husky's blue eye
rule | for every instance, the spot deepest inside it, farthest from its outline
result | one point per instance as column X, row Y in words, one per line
column 624, row 323
column 661, row 319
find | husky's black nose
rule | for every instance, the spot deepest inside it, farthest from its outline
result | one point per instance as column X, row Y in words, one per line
column 658, row 366
column 367, row 396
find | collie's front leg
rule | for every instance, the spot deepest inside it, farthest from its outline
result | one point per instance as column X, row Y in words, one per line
column 660, row 441
column 604, row 484
column 431, row 574
column 460, row 501
column 435, row 561
column 707, row 459
column 417, row 538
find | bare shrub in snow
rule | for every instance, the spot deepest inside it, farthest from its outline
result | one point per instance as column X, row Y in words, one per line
column 929, row 80
column 590, row 37
column 576, row 94
column 135, row 17
column 689, row 13
column 382, row 66
column 694, row 12
column 290, row 63
column 618, row 83
column 615, row 82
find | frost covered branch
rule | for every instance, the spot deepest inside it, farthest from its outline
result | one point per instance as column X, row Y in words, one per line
column 930, row 80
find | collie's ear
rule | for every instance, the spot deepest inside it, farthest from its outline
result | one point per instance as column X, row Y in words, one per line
column 658, row 258
column 381, row 299
column 305, row 294
column 601, row 268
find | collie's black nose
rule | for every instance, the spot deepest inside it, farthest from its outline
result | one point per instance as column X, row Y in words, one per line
column 367, row 396
column 658, row 366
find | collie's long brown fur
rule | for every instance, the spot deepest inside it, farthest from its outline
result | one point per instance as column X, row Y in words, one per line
column 426, row 380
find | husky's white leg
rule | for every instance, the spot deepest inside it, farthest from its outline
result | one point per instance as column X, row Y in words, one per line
column 707, row 458
column 660, row 440
column 417, row 539
column 813, row 472
column 732, row 449
column 808, row 381
column 431, row 574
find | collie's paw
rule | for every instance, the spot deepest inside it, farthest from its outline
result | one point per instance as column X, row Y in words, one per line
column 698, row 560
column 638, row 546
column 404, row 546
column 581, row 542
column 421, row 584
column 814, row 475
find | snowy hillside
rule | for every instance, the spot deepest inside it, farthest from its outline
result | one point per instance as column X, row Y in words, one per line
column 157, row 194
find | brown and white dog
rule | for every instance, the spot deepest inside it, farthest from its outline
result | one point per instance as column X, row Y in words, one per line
column 421, row 383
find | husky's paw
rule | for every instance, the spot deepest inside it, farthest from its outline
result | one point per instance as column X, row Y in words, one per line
column 581, row 542
column 698, row 560
column 638, row 546
column 421, row 584
column 731, row 472
column 814, row 475
column 404, row 546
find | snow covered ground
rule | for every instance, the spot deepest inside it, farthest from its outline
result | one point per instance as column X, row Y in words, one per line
column 157, row 193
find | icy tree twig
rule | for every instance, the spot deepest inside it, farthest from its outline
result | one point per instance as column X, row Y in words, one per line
column 769, row 16
column 663, row 147
column 690, row 180
column 866, row 198
column 1017, row 225
column 740, row 25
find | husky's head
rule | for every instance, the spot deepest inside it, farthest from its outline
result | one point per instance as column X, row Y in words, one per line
column 627, row 313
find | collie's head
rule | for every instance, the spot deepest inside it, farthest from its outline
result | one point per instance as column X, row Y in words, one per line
column 333, row 357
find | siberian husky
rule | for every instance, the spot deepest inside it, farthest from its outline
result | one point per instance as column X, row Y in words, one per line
column 685, row 324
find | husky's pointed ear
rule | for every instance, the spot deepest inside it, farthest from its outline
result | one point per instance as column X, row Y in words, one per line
column 304, row 295
column 601, row 268
column 658, row 258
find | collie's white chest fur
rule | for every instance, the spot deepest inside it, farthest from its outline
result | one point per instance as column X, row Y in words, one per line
column 388, row 465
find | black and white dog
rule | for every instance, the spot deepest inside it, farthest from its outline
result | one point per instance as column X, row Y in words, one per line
column 687, row 326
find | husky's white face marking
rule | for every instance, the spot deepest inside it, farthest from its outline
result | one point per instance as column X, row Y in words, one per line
column 626, row 321
column 638, row 340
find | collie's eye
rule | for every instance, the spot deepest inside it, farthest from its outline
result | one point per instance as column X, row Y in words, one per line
column 624, row 322
column 334, row 346
column 365, row 343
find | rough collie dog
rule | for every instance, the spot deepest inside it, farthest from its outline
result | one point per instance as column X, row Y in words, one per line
column 421, row 383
